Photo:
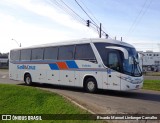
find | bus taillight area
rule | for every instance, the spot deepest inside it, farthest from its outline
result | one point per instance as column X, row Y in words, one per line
column 131, row 83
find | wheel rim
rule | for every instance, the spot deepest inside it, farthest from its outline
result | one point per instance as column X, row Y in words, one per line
column 28, row 80
column 91, row 86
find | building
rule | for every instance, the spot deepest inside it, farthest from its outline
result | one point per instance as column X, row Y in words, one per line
column 3, row 61
column 150, row 60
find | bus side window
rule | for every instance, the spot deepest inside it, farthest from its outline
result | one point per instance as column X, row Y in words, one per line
column 113, row 61
column 37, row 54
column 84, row 52
column 15, row 55
column 66, row 52
column 26, row 54
column 50, row 53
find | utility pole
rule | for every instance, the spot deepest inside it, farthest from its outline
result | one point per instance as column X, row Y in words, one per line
column 100, row 30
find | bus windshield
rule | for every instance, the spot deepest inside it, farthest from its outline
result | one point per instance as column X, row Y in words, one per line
column 131, row 65
column 128, row 66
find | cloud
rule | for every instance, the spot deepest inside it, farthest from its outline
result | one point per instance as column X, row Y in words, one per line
column 63, row 27
column 29, row 34
column 45, row 10
column 32, row 34
column 142, row 44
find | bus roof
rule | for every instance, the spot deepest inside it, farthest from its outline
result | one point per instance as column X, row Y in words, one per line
column 80, row 41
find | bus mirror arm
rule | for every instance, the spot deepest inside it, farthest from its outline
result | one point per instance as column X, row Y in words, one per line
column 125, row 52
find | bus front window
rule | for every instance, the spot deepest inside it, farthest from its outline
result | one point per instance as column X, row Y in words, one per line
column 130, row 65
column 127, row 64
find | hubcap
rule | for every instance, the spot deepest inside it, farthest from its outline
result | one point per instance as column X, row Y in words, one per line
column 91, row 85
column 28, row 80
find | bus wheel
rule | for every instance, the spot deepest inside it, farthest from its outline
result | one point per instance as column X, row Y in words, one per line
column 91, row 85
column 28, row 79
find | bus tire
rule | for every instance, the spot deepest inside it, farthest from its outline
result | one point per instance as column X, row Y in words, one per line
column 28, row 79
column 91, row 85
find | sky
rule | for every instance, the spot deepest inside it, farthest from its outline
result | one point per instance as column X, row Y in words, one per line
column 34, row 22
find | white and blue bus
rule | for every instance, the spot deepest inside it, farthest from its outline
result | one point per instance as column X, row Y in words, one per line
column 88, row 63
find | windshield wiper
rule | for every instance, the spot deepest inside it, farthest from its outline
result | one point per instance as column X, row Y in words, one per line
column 136, row 67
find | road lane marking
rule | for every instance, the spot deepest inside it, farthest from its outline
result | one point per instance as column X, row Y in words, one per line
column 3, row 77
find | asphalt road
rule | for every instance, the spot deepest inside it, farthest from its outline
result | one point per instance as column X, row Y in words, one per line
column 104, row 101
column 152, row 77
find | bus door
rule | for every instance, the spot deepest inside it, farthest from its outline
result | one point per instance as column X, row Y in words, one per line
column 113, row 71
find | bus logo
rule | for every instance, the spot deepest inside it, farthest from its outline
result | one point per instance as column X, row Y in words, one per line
column 27, row 67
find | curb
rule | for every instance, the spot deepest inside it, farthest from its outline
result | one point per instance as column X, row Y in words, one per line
column 77, row 104
column 71, row 100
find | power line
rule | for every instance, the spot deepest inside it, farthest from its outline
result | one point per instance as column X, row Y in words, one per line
column 76, row 14
column 72, row 10
column 137, row 16
column 93, row 22
column 68, row 10
column 140, row 18
column 141, row 13
column 85, row 12
column 93, row 17
column 89, row 11
column 63, row 6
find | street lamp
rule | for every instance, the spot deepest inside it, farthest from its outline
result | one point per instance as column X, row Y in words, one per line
column 19, row 44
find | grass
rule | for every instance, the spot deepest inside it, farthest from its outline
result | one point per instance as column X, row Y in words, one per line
column 27, row 100
column 152, row 85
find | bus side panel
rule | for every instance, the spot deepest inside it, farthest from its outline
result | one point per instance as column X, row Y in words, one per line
column 20, row 75
column 97, row 75
column 39, row 76
column 39, row 73
column 14, row 72
column 78, row 80
column 53, row 77
column 105, row 80
column 114, row 81
column 87, row 68
column 67, row 77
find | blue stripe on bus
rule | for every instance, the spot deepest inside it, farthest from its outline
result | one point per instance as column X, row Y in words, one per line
column 71, row 64
column 53, row 66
